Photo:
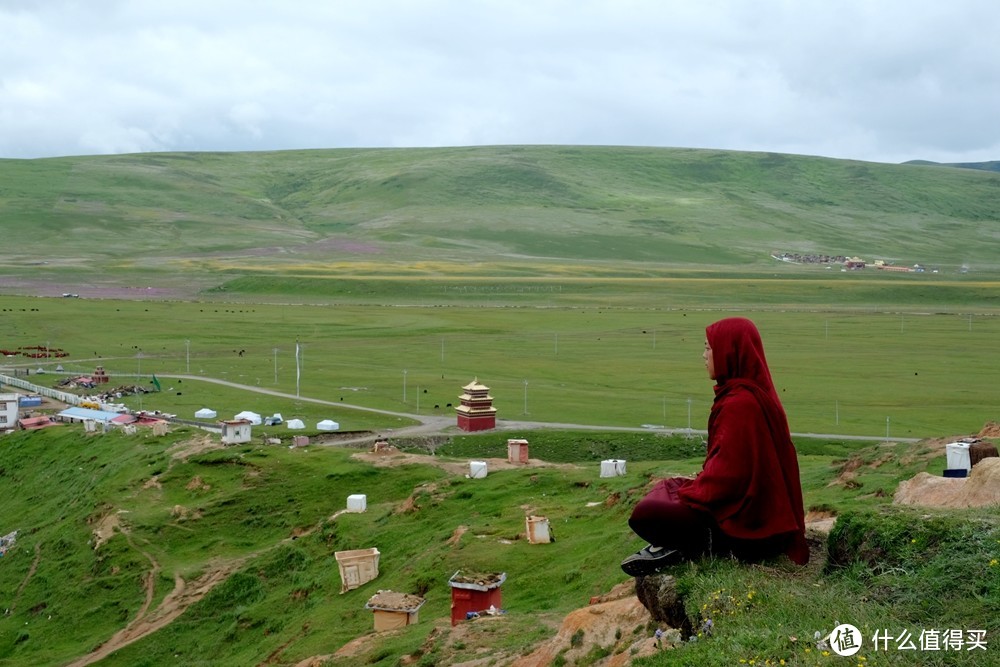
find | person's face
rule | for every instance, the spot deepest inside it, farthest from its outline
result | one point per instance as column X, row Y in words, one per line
column 709, row 360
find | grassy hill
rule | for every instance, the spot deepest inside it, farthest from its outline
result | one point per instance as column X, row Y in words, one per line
column 529, row 210
column 176, row 551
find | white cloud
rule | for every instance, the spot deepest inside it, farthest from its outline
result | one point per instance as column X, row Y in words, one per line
column 890, row 80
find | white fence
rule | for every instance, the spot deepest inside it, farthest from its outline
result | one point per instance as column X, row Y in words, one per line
column 65, row 397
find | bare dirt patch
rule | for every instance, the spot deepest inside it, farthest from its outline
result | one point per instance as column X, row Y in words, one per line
column 196, row 445
column 820, row 522
column 608, row 622
column 456, row 535
column 106, row 528
column 197, row 484
column 393, row 457
column 990, row 430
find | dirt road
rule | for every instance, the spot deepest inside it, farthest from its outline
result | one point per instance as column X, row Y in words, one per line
column 439, row 425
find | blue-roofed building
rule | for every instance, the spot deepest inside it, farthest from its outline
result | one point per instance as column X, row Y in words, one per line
column 74, row 415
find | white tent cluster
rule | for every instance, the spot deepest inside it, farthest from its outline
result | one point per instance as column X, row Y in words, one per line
column 252, row 417
column 256, row 420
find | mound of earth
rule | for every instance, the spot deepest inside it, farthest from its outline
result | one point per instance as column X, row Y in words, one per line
column 603, row 624
column 990, row 430
column 980, row 489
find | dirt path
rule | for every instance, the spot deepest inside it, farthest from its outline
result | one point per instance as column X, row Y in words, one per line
column 438, row 425
column 149, row 581
column 172, row 606
column 28, row 576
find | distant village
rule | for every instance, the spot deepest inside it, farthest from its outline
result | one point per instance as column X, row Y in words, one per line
column 852, row 263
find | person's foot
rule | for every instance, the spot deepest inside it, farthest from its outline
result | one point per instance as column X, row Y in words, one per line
column 649, row 560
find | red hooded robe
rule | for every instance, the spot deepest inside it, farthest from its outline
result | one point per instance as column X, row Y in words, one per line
column 750, row 479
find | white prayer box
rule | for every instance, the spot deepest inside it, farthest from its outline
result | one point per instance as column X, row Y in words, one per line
column 957, row 454
column 357, row 502
column 613, row 468
column 537, row 529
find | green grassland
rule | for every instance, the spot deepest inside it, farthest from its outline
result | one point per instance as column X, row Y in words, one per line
column 576, row 283
column 854, row 373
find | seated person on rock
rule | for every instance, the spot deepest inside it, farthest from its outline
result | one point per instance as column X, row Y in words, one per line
column 747, row 500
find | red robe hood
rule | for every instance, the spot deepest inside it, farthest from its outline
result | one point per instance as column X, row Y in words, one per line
column 750, row 479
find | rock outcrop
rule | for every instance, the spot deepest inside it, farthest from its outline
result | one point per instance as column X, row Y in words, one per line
column 980, row 489
column 609, row 622
column 658, row 594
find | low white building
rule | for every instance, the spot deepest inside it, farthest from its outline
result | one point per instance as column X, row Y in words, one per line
column 8, row 411
column 235, row 431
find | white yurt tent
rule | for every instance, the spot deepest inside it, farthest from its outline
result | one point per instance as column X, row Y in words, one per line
column 295, row 423
column 328, row 425
column 206, row 413
column 252, row 417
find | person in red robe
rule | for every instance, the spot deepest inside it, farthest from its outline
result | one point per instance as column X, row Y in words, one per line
column 747, row 500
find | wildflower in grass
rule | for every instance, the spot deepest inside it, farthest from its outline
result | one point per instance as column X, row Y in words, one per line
column 994, row 562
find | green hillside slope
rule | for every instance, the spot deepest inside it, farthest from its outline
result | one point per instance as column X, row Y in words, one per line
column 205, row 212
column 172, row 550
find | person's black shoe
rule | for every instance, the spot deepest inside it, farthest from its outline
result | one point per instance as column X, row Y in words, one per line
column 649, row 560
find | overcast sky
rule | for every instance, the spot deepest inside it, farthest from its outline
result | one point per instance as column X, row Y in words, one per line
column 880, row 80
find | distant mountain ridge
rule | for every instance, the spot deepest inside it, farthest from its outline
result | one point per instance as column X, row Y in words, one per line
column 993, row 165
column 525, row 206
